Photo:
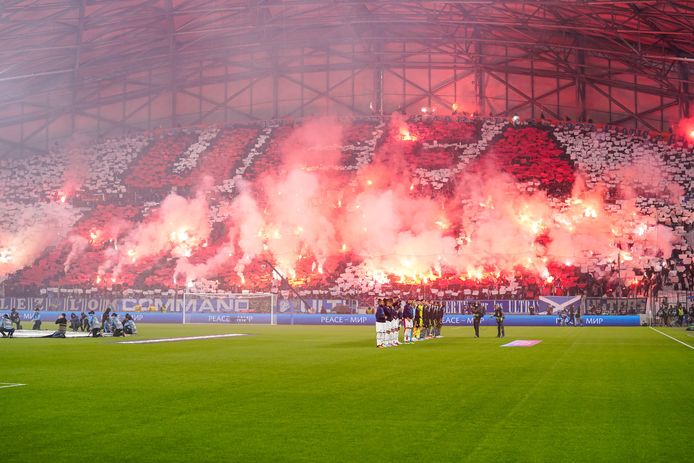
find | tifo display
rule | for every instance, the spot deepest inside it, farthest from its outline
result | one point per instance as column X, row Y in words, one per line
column 346, row 231
column 436, row 207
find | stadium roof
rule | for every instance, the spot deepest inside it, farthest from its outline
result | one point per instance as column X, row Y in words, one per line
column 106, row 67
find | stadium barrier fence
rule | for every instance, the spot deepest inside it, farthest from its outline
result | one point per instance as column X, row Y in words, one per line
column 335, row 319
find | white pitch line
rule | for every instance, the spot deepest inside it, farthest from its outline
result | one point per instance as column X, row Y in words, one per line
column 674, row 339
column 6, row 385
column 189, row 338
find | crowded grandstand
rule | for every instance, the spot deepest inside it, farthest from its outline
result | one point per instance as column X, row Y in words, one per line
column 586, row 209
column 346, row 230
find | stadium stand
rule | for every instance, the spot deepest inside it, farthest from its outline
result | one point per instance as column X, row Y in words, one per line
column 129, row 176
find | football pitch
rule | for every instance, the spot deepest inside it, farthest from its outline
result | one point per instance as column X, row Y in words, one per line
column 299, row 393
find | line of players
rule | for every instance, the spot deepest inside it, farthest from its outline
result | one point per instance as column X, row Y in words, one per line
column 420, row 319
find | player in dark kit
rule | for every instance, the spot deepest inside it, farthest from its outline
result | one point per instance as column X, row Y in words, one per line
column 432, row 319
column 499, row 316
column 441, row 314
column 408, row 317
column 478, row 314
column 438, row 319
column 380, row 324
column 397, row 320
column 393, row 323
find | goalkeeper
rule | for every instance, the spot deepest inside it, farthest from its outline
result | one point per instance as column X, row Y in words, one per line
column 417, row 325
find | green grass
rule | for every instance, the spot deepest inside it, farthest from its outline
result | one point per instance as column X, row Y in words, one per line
column 327, row 394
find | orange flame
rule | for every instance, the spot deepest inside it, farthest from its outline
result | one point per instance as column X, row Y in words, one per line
column 405, row 135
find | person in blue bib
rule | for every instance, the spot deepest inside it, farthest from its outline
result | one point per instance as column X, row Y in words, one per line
column 116, row 326
column 36, row 318
column 129, row 326
column 94, row 324
column 6, row 327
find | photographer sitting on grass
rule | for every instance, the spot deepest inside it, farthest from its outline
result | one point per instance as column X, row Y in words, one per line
column 94, row 324
column 6, row 328
column 129, row 326
column 116, row 326
column 62, row 327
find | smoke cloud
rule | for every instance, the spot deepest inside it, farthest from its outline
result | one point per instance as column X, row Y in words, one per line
column 307, row 212
column 176, row 228
column 30, row 230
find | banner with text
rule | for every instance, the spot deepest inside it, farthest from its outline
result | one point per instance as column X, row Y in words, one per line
column 48, row 318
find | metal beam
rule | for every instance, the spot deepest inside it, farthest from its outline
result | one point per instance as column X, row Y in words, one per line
column 76, row 57
column 632, row 114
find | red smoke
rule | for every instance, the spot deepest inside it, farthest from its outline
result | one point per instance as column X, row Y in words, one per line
column 324, row 204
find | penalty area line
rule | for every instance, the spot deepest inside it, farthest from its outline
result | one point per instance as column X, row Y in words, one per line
column 6, row 385
column 188, row 338
column 674, row 339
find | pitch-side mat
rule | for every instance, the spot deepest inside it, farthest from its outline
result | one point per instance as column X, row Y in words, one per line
column 80, row 334
column 523, row 343
column 187, row 338
column 47, row 333
column 8, row 385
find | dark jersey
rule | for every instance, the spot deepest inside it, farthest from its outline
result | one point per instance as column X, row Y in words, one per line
column 408, row 313
column 499, row 315
column 380, row 314
column 62, row 324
